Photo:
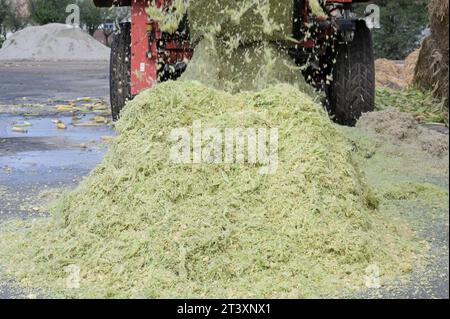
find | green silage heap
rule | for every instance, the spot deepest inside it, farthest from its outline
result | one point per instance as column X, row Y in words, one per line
column 143, row 225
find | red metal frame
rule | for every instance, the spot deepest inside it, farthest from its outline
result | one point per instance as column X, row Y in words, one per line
column 148, row 48
column 144, row 53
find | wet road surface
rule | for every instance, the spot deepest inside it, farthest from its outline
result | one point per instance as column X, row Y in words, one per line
column 39, row 82
column 45, row 158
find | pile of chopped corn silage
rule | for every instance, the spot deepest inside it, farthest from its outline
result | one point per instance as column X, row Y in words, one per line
column 143, row 225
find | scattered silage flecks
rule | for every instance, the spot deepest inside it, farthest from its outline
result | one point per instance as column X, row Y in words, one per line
column 220, row 64
column 420, row 103
column 418, row 191
column 142, row 226
column 83, row 105
column 85, row 112
column 251, row 20
column 29, row 200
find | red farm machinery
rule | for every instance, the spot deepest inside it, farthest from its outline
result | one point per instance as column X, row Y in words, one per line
column 338, row 56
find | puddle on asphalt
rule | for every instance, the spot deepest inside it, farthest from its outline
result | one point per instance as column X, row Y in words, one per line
column 52, row 159
column 43, row 126
column 44, row 145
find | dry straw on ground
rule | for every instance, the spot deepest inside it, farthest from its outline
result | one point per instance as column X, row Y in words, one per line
column 433, row 64
column 396, row 74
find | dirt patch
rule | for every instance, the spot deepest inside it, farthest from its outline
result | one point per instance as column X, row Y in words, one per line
column 402, row 128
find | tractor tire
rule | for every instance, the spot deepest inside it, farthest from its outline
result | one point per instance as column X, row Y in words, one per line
column 352, row 91
column 120, row 70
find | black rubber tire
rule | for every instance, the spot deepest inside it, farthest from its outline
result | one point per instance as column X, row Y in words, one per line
column 120, row 69
column 352, row 91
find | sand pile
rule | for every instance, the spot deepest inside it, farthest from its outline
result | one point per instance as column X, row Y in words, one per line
column 53, row 42
column 142, row 225
column 396, row 75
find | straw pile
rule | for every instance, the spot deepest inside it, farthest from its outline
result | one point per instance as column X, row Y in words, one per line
column 432, row 67
column 389, row 74
column 396, row 75
column 410, row 66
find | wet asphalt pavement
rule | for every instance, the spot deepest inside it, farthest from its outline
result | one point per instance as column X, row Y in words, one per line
column 39, row 82
column 45, row 158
